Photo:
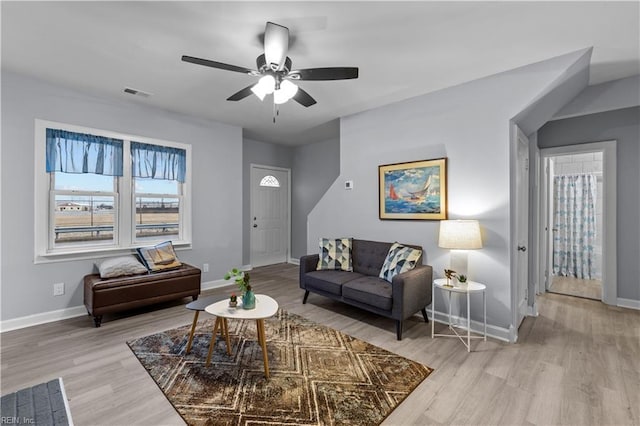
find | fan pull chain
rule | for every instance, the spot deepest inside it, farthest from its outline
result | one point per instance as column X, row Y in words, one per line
column 276, row 112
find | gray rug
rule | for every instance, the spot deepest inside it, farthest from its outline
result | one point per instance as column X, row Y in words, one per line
column 43, row 404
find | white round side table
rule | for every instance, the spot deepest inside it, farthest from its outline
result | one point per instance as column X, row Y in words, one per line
column 266, row 307
column 470, row 287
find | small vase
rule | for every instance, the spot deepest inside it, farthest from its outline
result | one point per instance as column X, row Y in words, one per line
column 233, row 303
column 249, row 300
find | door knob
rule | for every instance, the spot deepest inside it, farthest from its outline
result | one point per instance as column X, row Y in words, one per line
column 255, row 225
column 522, row 248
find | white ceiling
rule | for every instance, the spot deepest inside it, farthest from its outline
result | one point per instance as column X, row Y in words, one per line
column 402, row 50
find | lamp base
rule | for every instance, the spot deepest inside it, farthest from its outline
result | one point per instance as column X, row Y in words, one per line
column 459, row 261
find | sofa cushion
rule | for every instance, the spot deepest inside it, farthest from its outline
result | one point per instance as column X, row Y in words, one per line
column 368, row 256
column 400, row 259
column 329, row 281
column 335, row 254
column 371, row 291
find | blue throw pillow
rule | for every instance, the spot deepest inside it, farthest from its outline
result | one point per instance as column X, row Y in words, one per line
column 335, row 254
column 399, row 259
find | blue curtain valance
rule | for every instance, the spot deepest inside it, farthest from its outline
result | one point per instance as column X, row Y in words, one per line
column 158, row 162
column 72, row 152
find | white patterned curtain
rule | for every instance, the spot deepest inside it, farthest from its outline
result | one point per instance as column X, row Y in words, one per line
column 575, row 224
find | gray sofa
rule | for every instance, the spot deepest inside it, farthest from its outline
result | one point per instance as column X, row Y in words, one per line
column 409, row 292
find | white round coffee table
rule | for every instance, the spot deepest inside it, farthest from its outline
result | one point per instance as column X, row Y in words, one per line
column 266, row 307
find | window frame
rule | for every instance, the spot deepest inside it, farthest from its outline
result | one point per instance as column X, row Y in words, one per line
column 124, row 222
column 135, row 195
column 51, row 244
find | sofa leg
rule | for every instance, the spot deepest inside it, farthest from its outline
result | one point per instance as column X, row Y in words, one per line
column 424, row 314
column 195, row 297
column 399, row 329
column 304, row 299
column 97, row 320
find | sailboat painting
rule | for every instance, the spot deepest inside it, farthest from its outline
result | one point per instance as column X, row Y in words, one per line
column 415, row 190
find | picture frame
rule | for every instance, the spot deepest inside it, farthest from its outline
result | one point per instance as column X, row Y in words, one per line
column 415, row 190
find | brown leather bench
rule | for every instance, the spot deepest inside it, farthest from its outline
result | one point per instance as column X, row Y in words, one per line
column 103, row 296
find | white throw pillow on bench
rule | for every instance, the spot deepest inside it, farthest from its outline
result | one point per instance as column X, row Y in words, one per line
column 120, row 266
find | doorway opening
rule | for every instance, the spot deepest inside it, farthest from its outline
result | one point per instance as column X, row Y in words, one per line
column 576, row 208
column 578, row 226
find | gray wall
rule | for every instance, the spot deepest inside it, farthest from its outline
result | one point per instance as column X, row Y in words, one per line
column 315, row 167
column 216, row 151
column 266, row 154
column 617, row 94
column 470, row 125
column 622, row 125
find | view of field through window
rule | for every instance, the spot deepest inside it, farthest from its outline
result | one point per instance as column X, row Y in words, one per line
column 80, row 217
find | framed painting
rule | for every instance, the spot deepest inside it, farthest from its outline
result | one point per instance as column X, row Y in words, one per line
column 415, row 190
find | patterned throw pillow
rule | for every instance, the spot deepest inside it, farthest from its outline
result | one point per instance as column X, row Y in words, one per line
column 335, row 254
column 159, row 257
column 399, row 259
column 120, row 266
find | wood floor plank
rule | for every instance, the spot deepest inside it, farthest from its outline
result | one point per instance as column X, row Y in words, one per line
column 576, row 363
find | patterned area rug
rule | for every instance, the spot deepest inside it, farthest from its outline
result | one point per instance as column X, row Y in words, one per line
column 319, row 376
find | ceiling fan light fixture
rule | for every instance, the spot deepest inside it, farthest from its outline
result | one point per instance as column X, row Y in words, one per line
column 265, row 86
column 287, row 91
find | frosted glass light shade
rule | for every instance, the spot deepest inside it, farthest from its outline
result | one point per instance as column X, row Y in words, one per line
column 287, row 91
column 460, row 235
column 265, row 86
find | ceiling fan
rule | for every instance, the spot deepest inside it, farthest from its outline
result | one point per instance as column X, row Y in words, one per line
column 275, row 72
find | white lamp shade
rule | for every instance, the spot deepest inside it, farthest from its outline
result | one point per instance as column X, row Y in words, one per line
column 460, row 234
column 265, row 86
column 287, row 91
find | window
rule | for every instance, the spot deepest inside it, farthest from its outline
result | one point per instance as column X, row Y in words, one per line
column 271, row 181
column 103, row 191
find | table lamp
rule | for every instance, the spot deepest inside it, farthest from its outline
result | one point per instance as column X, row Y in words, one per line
column 459, row 236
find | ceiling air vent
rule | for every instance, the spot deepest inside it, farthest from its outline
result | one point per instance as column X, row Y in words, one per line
column 136, row 92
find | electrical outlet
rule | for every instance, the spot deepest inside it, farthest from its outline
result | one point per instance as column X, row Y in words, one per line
column 205, row 267
column 58, row 289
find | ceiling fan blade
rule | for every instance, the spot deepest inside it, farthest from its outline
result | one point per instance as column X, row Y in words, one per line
column 276, row 45
column 241, row 94
column 303, row 98
column 317, row 74
column 219, row 65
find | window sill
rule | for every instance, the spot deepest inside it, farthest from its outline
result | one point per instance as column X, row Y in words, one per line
column 98, row 252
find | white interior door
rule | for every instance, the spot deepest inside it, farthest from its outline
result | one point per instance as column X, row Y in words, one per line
column 269, row 220
column 522, row 225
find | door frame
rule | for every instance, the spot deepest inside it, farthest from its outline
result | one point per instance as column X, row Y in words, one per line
column 609, row 209
column 515, row 131
column 252, row 167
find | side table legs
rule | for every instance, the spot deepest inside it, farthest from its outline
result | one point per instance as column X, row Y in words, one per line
column 193, row 329
column 220, row 324
column 263, row 344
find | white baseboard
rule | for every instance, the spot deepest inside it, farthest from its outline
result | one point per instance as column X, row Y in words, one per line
column 215, row 284
column 476, row 326
column 42, row 318
column 75, row 311
column 628, row 303
column 294, row 261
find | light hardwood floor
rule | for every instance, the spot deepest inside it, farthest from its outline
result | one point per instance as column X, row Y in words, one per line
column 591, row 289
column 577, row 363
